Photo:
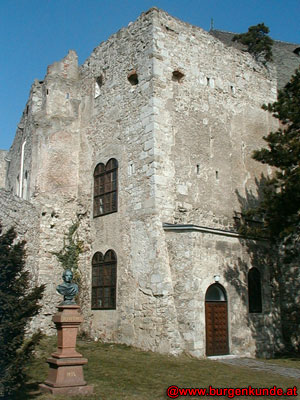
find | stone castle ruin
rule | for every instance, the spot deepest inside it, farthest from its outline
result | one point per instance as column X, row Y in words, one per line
column 149, row 144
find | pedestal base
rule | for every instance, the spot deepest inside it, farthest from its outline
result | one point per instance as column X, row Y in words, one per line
column 65, row 372
column 71, row 391
column 65, row 366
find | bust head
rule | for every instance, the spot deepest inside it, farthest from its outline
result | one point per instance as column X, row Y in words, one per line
column 68, row 288
column 67, row 276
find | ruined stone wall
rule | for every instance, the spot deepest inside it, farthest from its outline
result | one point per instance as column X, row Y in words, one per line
column 21, row 215
column 20, row 177
column 44, row 158
column 39, row 157
column 285, row 55
column 34, row 224
column 55, row 166
column 3, row 168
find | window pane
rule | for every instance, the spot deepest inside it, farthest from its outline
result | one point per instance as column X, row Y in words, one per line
column 96, row 186
column 112, row 163
column 105, row 188
column 94, row 297
column 104, row 276
column 114, row 201
column 100, row 168
column 108, row 182
column 113, row 273
column 96, row 206
column 215, row 293
column 109, row 165
column 100, row 298
column 113, row 298
column 101, row 205
column 96, row 276
column 110, row 255
column 101, row 184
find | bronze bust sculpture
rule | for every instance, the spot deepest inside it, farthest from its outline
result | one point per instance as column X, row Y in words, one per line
column 68, row 288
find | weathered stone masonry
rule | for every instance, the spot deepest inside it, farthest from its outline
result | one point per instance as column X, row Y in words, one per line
column 181, row 113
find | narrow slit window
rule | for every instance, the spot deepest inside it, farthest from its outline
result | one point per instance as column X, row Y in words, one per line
column 131, row 169
column 210, row 82
column 254, row 291
column 98, row 85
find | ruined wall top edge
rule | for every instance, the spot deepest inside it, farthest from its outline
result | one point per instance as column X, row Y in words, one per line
column 158, row 18
column 155, row 17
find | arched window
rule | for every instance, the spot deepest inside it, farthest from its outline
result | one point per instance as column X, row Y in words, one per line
column 104, row 281
column 215, row 293
column 105, row 188
column 254, row 291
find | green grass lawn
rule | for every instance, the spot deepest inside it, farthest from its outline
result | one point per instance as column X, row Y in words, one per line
column 119, row 372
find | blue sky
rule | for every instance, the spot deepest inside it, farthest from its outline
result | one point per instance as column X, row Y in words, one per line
column 35, row 33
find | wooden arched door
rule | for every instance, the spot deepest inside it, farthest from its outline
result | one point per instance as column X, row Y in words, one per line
column 216, row 321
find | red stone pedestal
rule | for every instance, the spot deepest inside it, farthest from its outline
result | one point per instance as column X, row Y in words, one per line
column 65, row 374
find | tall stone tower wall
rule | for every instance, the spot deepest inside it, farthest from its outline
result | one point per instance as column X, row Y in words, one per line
column 208, row 120
column 181, row 114
column 183, row 137
column 119, row 123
